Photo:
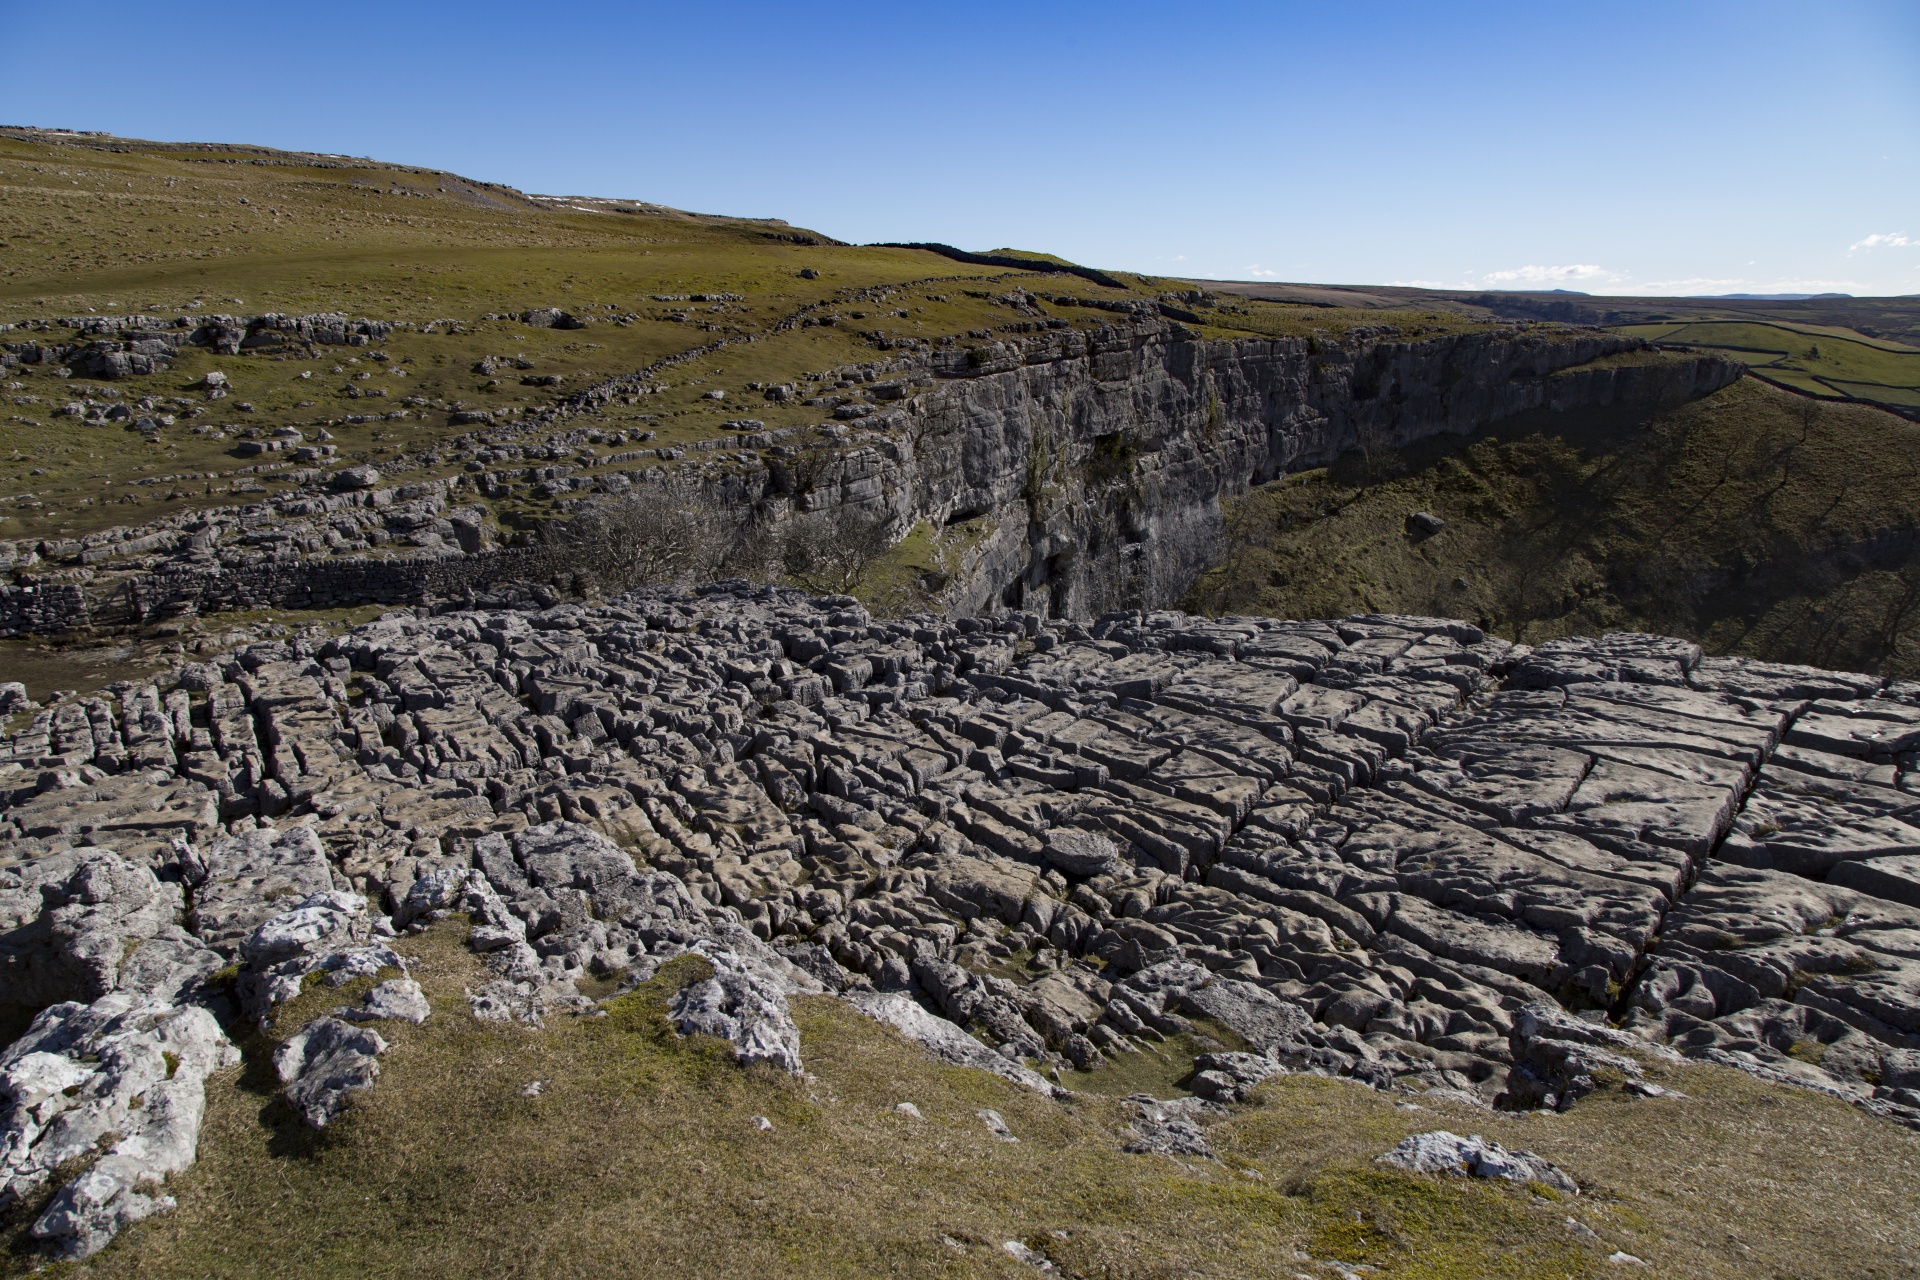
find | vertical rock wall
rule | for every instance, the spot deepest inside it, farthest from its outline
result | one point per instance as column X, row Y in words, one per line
column 1095, row 465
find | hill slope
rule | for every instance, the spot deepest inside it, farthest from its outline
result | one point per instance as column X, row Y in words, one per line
column 1101, row 851
column 1762, row 522
column 99, row 230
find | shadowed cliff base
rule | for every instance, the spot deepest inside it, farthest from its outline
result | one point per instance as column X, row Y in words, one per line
column 1755, row 521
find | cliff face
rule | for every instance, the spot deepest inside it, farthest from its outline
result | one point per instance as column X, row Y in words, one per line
column 1091, row 470
column 1081, row 471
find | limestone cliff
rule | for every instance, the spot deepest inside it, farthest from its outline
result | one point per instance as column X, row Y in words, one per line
column 1096, row 464
column 1085, row 469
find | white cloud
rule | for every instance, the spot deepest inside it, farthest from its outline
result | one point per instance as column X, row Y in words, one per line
column 1420, row 284
column 1697, row 284
column 1708, row 285
column 1259, row 272
column 1884, row 240
column 1571, row 274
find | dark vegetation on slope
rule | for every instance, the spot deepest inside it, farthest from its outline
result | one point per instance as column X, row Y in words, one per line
column 1756, row 521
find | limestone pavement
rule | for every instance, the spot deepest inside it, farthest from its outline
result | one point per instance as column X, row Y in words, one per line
column 1385, row 848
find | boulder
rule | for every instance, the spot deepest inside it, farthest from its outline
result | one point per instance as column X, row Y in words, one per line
column 1444, row 1152
column 123, row 1078
column 323, row 1064
column 239, row 881
column 1080, row 852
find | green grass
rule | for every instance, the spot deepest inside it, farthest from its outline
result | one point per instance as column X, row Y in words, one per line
column 1756, row 521
column 158, row 229
column 1819, row 360
column 113, row 225
column 639, row 1156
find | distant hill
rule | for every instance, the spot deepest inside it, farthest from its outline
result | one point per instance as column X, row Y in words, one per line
column 1863, row 322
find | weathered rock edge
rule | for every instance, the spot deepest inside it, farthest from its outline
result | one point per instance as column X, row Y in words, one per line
column 1086, row 468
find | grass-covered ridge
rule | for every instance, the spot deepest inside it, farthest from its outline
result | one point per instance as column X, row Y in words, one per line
column 1757, row 521
column 99, row 226
column 1821, row 361
column 640, row 1155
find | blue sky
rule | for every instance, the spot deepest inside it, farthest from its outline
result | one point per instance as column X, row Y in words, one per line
column 1627, row 147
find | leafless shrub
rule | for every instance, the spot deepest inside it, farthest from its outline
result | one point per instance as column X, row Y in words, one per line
column 656, row 538
column 831, row 553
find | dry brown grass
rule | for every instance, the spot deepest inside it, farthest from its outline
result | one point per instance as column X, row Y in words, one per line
column 640, row 1158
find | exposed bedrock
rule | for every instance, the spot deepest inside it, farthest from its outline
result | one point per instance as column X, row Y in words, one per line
column 1080, row 471
column 1389, row 849
column 1097, row 465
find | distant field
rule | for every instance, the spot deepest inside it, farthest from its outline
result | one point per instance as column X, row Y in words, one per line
column 1820, row 360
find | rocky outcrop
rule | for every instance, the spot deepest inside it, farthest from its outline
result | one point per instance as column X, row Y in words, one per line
column 1443, row 1152
column 1078, row 471
column 115, row 347
column 1387, row 849
column 117, row 1077
column 1096, row 464
column 123, row 1079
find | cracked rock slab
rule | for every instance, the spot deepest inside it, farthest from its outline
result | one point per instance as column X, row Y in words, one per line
column 323, row 1064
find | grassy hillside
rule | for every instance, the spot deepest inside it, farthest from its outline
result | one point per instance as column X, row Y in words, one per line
column 1822, row 361
column 110, row 226
column 640, row 1155
column 1895, row 319
column 1758, row 521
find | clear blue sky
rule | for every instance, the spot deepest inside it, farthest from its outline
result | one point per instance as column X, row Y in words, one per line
column 1656, row 147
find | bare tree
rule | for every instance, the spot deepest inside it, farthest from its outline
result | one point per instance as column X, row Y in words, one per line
column 651, row 539
column 833, row 552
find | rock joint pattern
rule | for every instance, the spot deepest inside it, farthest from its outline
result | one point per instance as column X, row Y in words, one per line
column 1383, row 848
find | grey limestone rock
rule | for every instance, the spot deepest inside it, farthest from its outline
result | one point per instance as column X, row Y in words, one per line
column 1170, row 1127
column 126, row 1071
column 323, row 1064
column 238, row 880
column 743, row 1002
column 79, row 919
column 1382, row 848
column 1229, row 1077
column 328, row 933
column 997, row 1125
column 1895, row 879
column 943, row 1039
column 1250, row 1011
column 1444, row 1152
column 1080, row 852
column 398, row 999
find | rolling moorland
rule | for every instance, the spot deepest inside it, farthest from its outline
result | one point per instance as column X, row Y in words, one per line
column 1757, row 325
column 949, row 906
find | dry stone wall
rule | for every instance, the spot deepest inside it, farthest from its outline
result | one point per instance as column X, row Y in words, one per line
column 1384, row 848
